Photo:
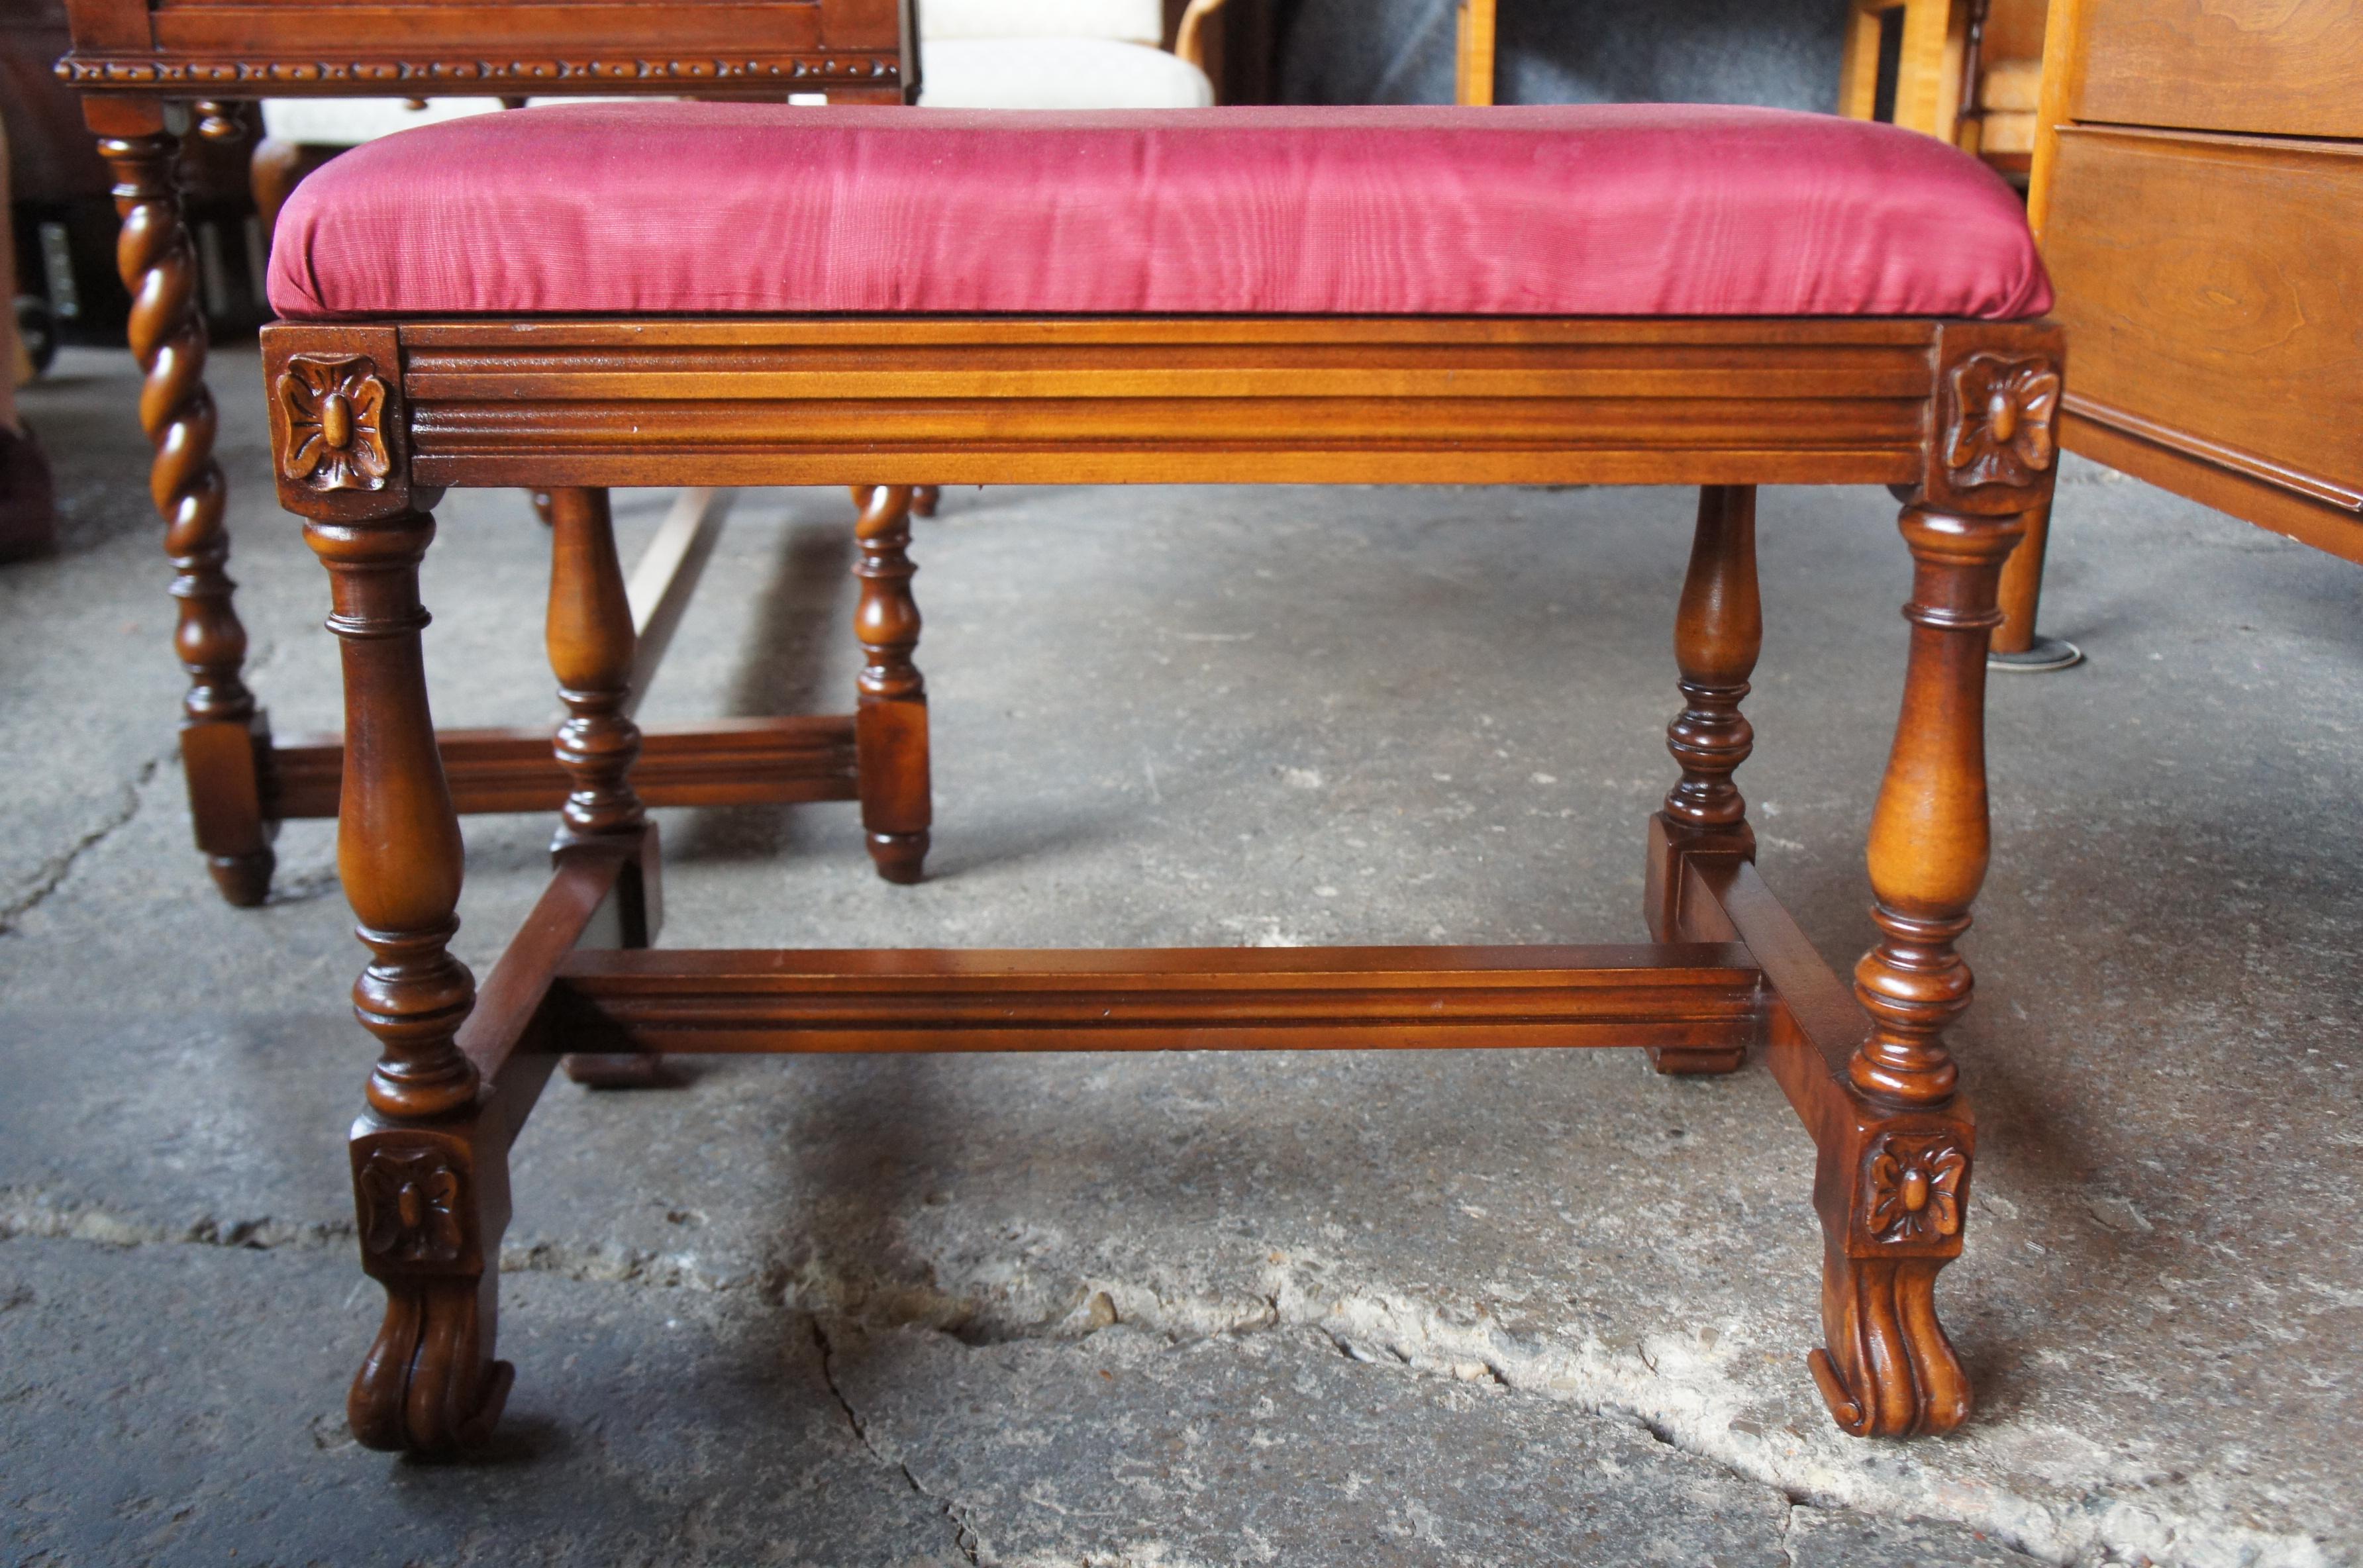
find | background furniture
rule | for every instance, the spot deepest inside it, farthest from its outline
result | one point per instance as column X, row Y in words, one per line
column 28, row 515
column 1931, row 54
column 1473, row 48
column 1961, row 71
column 149, row 70
column 2199, row 195
column 1061, row 54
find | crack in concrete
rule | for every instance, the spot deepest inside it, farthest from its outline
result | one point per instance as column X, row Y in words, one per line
column 55, row 870
column 31, row 1215
column 1367, row 1323
column 963, row 1537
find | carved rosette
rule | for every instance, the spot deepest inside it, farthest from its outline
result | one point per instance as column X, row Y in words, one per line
column 1998, row 420
column 413, row 1207
column 335, row 407
column 1911, row 1187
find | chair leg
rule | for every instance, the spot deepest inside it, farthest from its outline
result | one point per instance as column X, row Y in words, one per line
column 430, row 1161
column 1892, row 1188
column 891, row 719
column 1718, row 632
column 272, row 172
column 591, row 642
column 2016, row 643
column 224, row 744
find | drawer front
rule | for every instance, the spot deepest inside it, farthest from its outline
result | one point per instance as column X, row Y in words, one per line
column 2278, row 67
column 2212, row 292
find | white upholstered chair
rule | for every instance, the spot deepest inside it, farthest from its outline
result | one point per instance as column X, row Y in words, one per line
column 1059, row 54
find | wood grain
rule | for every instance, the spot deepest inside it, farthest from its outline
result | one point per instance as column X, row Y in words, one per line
column 717, row 762
column 2213, row 287
column 1098, row 399
column 1167, row 999
column 2329, row 528
column 2285, row 67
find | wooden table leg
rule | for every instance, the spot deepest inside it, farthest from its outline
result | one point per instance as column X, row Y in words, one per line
column 1718, row 632
column 429, row 1164
column 224, row 739
column 890, row 720
column 592, row 647
column 1893, row 1184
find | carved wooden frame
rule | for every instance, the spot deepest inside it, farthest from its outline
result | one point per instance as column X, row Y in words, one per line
column 1954, row 416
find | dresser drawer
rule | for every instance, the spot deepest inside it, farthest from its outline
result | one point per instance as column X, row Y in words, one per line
column 2275, row 67
column 2212, row 288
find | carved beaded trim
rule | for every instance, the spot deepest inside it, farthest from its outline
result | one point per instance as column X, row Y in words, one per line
column 335, row 407
column 84, row 72
column 411, row 1204
column 1912, row 1186
column 1998, row 416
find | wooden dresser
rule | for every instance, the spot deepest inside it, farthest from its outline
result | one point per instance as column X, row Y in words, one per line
column 2198, row 189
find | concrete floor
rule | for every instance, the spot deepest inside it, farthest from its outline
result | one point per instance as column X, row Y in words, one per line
column 1506, row 1308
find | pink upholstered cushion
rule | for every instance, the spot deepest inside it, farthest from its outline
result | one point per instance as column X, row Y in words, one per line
column 705, row 208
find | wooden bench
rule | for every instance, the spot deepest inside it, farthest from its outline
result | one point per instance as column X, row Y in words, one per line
column 1715, row 298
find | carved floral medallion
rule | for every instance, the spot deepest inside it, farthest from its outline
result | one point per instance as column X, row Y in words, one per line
column 335, row 407
column 1912, row 1186
column 411, row 1207
column 1998, row 428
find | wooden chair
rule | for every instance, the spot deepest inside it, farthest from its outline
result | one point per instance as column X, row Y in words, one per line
column 1935, row 62
column 1512, row 338
column 152, row 70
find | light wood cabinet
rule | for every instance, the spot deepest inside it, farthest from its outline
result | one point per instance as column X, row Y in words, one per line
column 2199, row 195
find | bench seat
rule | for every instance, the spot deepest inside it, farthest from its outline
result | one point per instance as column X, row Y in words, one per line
column 704, row 209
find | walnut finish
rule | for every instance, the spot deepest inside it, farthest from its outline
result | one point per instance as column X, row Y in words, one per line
column 593, row 651
column 220, row 728
column 1928, row 835
column 1959, row 418
column 1718, row 632
column 890, row 725
column 589, row 630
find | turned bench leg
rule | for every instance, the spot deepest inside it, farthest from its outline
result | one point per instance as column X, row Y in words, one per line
column 225, row 740
column 591, row 646
column 430, row 1161
column 1892, row 1186
column 890, row 720
column 1718, row 632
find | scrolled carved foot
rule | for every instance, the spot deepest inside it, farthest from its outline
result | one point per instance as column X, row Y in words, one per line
column 426, row 1386
column 430, row 1204
column 1888, row 1370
